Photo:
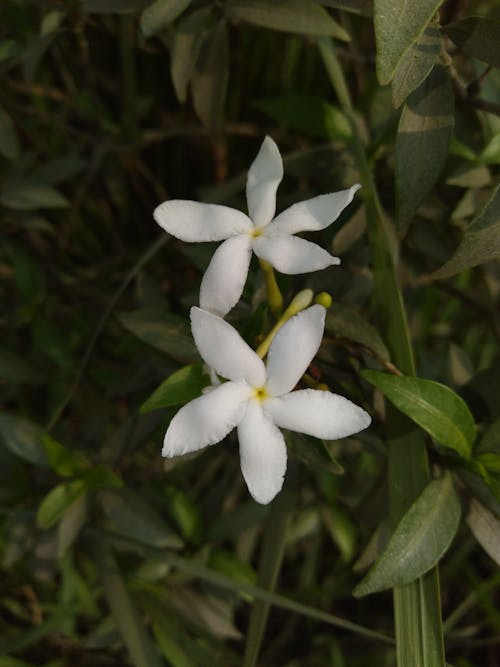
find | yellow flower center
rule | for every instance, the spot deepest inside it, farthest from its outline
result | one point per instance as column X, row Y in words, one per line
column 256, row 232
column 260, row 393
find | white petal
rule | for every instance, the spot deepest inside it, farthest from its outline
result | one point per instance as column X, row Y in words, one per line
column 289, row 254
column 207, row 419
column 192, row 221
column 293, row 348
column 264, row 176
column 318, row 413
column 262, row 453
column 224, row 350
column 313, row 214
column 226, row 274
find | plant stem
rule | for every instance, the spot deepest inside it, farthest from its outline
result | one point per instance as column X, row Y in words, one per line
column 419, row 635
column 274, row 297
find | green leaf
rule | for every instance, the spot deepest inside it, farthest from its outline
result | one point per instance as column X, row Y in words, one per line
column 347, row 323
column 485, row 527
column 29, row 194
column 185, row 49
column 63, row 461
column 422, row 142
column 100, row 477
column 72, row 521
column 125, row 613
column 9, row 143
column 160, row 13
column 297, row 16
column 310, row 115
column 185, row 514
column 57, row 502
column 180, row 387
column 481, row 241
column 164, row 331
column 313, row 452
column 416, row 63
column 491, row 153
column 420, row 539
column 133, row 516
column 166, row 638
column 477, row 36
column 210, row 77
column 23, row 438
column 433, row 406
column 398, row 25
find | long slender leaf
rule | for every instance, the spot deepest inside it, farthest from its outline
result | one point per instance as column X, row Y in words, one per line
column 433, row 406
column 421, row 538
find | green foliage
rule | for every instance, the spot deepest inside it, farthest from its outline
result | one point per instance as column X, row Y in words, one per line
column 420, row 539
column 433, row 406
column 112, row 555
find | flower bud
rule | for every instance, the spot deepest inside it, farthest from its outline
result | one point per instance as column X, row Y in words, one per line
column 300, row 301
column 323, row 299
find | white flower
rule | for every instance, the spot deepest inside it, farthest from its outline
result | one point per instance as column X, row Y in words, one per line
column 270, row 239
column 258, row 399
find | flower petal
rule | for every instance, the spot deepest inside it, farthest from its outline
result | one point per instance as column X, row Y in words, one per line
column 262, row 453
column 192, row 221
column 224, row 350
column 225, row 277
column 289, row 254
column 313, row 214
column 318, row 413
column 264, row 176
column 207, row 419
column 293, row 348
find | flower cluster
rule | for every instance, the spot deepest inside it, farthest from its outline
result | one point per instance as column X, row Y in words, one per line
column 257, row 398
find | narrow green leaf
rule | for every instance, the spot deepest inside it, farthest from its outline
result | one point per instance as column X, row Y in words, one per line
column 422, row 142
column 195, row 569
column 416, row 63
column 481, row 241
column 180, row 387
column 164, row 331
column 210, row 77
column 478, row 36
column 29, row 195
column 347, row 323
column 273, row 550
column 125, row 613
column 99, row 477
column 433, row 406
column 485, row 527
column 313, row 452
column 132, row 515
column 71, row 524
column 310, row 115
column 63, row 461
column 9, row 143
column 160, row 13
column 420, row 539
column 185, row 49
column 166, row 638
column 398, row 25
column 57, row 502
column 23, row 438
column 297, row 16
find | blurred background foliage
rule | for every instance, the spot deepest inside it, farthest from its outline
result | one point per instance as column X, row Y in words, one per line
column 109, row 554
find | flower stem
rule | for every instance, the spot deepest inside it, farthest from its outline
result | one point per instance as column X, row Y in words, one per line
column 419, row 635
column 274, row 297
